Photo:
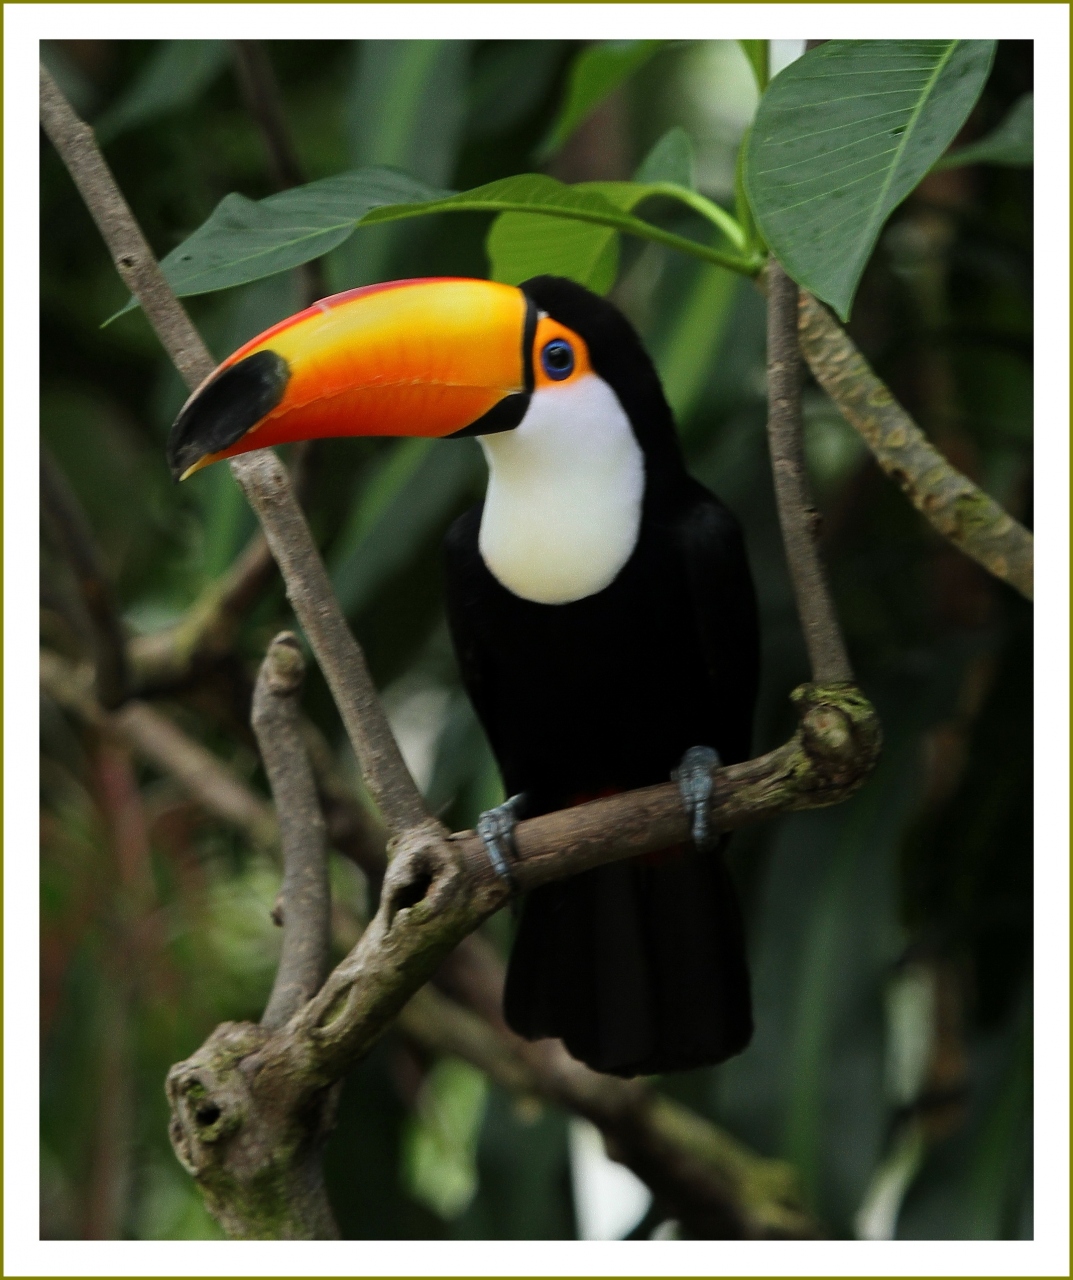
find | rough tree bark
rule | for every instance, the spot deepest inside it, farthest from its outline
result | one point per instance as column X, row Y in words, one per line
column 251, row 1107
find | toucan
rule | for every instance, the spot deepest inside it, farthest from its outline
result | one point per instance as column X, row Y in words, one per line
column 601, row 608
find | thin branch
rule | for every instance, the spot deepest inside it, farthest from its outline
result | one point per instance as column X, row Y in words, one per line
column 261, row 93
column 261, row 475
column 954, row 506
column 159, row 742
column 72, row 532
column 305, row 895
column 713, row 1183
column 797, row 517
column 167, row 658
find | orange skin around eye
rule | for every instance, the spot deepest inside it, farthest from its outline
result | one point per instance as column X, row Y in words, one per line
column 546, row 330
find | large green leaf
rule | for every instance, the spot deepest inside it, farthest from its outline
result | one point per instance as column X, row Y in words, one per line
column 1010, row 143
column 245, row 240
column 603, row 204
column 841, row 138
column 597, row 72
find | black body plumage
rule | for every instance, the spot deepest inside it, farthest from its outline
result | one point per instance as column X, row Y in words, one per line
column 638, row 966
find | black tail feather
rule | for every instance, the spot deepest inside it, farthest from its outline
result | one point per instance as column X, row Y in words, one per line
column 638, row 967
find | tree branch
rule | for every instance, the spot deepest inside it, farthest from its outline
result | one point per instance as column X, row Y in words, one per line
column 952, row 504
column 305, row 895
column 797, row 517
column 75, row 539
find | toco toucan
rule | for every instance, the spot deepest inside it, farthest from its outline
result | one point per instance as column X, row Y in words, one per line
column 601, row 608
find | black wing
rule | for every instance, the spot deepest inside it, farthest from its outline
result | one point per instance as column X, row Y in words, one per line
column 710, row 542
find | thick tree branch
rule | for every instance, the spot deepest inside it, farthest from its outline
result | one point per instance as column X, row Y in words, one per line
column 954, row 506
column 305, row 895
column 797, row 517
column 71, row 531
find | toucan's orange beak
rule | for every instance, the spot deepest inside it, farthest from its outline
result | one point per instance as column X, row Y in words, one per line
column 411, row 358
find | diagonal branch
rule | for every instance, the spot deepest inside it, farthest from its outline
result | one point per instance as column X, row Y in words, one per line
column 954, row 506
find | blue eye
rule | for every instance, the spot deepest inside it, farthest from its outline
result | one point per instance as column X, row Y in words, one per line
column 557, row 359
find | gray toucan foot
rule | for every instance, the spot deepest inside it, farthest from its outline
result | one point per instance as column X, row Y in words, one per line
column 496, row 828
column 694, row 778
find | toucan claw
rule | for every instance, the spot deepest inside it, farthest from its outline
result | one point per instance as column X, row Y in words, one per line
column 496, row 828
column 694, row 778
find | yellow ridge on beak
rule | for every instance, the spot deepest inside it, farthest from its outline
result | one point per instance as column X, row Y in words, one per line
column 430, row 357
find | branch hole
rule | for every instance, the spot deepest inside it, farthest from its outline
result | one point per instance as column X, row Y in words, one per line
column 207, row 1114
column 409, row 895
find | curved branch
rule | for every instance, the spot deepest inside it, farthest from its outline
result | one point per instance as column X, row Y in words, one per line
column 305, row 896
column 953, row 505
column 797, row 517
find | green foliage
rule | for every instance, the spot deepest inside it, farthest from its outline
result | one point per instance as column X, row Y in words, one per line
column 1010, row 143
column 598, row 71
column 927, row 872
column 440, row 1146
column 841, row 138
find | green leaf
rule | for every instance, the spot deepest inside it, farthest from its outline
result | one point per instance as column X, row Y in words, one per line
column 841, row 138
column 521, row 245
column 176, row 75
column 603, row 204
column 1010, row 143
column 757, row 52
column 598, row 71
column 245, row 240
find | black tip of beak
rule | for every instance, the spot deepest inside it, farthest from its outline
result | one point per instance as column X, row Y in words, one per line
column 224, row 410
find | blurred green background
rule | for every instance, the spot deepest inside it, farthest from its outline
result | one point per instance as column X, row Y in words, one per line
column 890, row 937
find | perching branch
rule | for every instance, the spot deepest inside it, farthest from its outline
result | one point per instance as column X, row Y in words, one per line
column 954, row 506
column 305, row 896
column 250, row 1108
column 815, row 608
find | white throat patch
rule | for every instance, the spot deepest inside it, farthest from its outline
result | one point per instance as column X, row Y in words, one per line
column 565, row 488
